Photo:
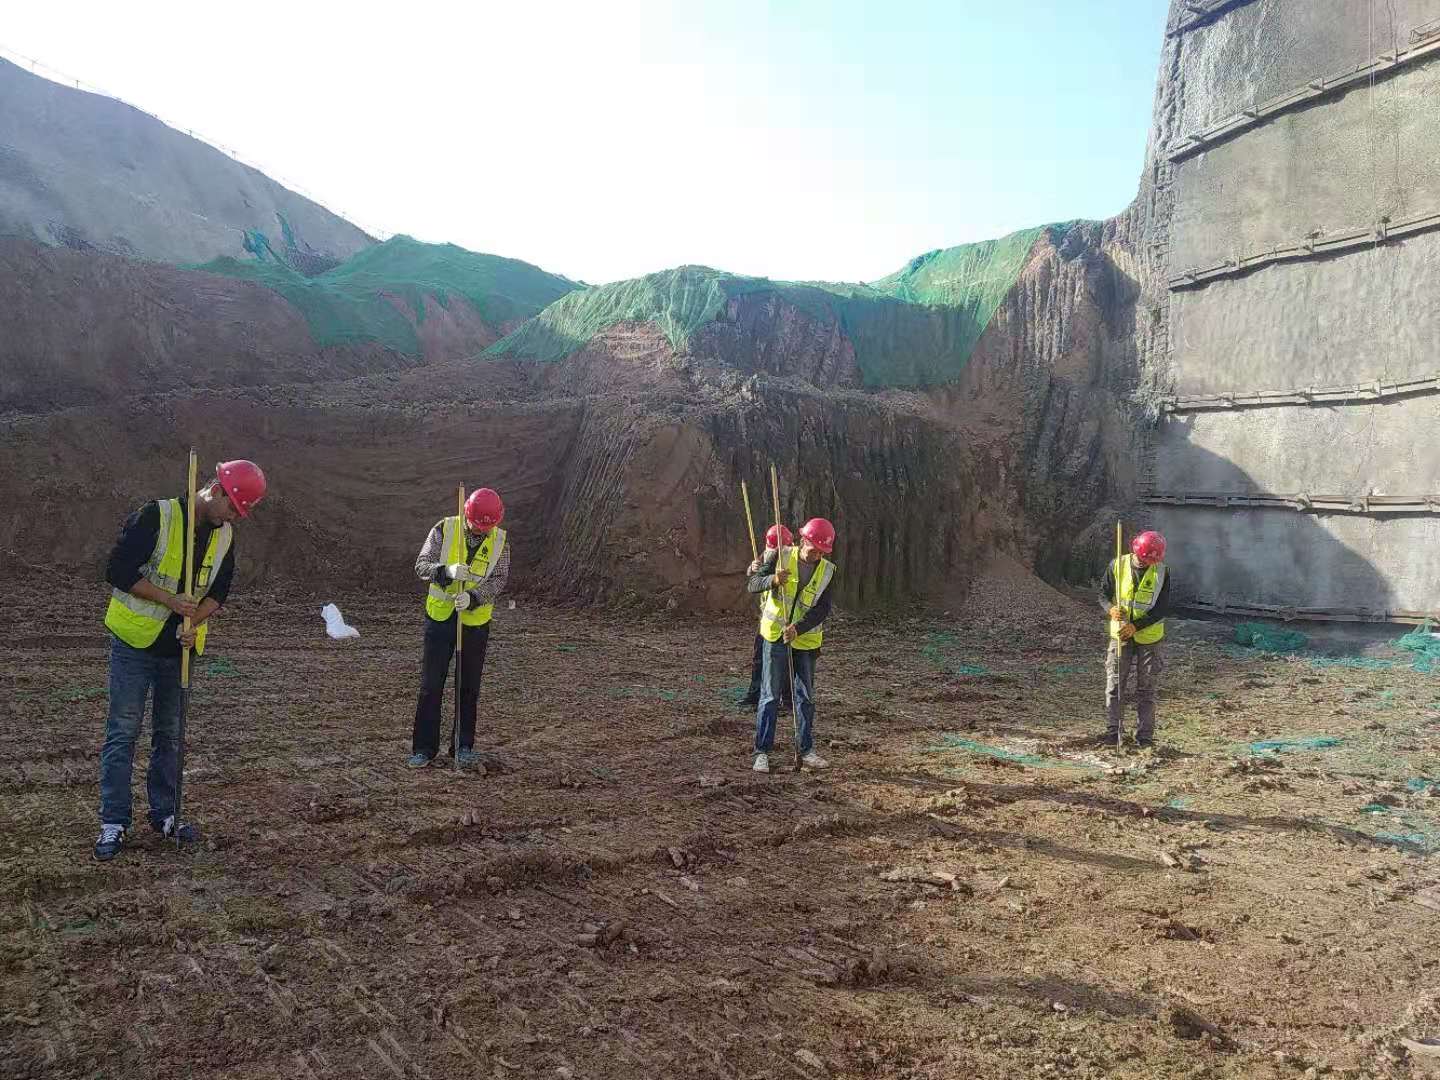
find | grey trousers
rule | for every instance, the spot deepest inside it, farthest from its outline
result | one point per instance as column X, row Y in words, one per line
column 1146, row 662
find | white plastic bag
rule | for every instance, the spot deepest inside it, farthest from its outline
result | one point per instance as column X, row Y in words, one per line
column 335, row 624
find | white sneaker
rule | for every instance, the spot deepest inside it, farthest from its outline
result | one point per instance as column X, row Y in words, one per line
column 762, row 763
column 812, row 760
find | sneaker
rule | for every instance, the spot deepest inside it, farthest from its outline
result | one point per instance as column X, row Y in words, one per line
column 112, row 839
column 762, row 763
column 468, row 759
column 812, row 760
column 188, row 833
column 418, row 761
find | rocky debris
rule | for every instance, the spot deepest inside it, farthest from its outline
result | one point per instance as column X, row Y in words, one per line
column 805, row 1057
column 1188, row 1024
column 921, row 875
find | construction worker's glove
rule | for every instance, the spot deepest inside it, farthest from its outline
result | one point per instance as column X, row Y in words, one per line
column 1118, row 614
column 789, row 634
column 463, row 601
column 1127, row 631
column 458, row 571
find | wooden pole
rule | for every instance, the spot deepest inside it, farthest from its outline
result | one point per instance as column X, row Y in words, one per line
column 780, row 600
column 459, row 627
column 187, row 625
column 749, row 521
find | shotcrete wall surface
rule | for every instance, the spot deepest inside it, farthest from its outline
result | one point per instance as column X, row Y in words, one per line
column 1283, row 557
column 1323, row 450
column 1364, row 158
column 1332, row 168
column 1265, row 48
column 1340, row 321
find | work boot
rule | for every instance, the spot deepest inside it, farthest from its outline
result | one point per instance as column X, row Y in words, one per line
column 1110, row 739
column 418, row 761
column 762, row 763
column 112, row 839
column 1145, row 741
column 812, row 760
column 166, row 827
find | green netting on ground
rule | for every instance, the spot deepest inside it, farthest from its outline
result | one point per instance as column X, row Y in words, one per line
column 916, row 327
column 350, row 303
column 1270, row 639
column 1426, row 647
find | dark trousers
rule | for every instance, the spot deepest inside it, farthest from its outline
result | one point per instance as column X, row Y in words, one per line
column 136, row 674
column 757, row 663
column 439, row 648
column 1147, row 662
column 777, row 676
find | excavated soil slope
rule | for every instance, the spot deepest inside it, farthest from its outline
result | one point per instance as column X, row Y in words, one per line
column 620, row 464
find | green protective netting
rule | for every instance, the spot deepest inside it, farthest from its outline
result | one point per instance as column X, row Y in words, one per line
column 352, row 303
column 1270, row 639
column 916, row 327
column 1358, row 663
column 1276, row 746
column 1425, row 645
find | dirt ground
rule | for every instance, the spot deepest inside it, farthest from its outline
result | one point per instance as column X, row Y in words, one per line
column 971, row 891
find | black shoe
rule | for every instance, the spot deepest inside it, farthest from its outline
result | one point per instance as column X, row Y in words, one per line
column 748, row 704
column 1110, row 738
column 1145, row 742
column 167, row 828
column 112, row 839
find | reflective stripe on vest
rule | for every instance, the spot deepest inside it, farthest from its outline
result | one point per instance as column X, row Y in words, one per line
column 440, row 602
column 137, row 621
column 772, row 615
column 1137, row 598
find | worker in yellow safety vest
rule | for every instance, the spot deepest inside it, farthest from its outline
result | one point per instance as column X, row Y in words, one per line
column 797, row 582
column 1136, row 596
column 466, row 565
column 145, row 617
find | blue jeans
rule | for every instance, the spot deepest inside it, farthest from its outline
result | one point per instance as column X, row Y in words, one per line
column 134, row 673
column 774, row 674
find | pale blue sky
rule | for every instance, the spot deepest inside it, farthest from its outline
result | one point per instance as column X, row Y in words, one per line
column 794, row 138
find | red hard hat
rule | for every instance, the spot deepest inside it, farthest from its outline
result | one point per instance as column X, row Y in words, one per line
column 243, row 481
column 820, row 533
column 1148, row 547
column 778, row 536
column 484, row 510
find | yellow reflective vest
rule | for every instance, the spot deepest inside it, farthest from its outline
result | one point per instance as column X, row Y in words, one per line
column 774, row 617
column 441, row 601
column 1138, row 597
column 138, row 622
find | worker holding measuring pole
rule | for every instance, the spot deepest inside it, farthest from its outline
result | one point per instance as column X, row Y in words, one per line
column 1136, row 595
column 797, row 583
column 466, row 562
column 153, row 624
